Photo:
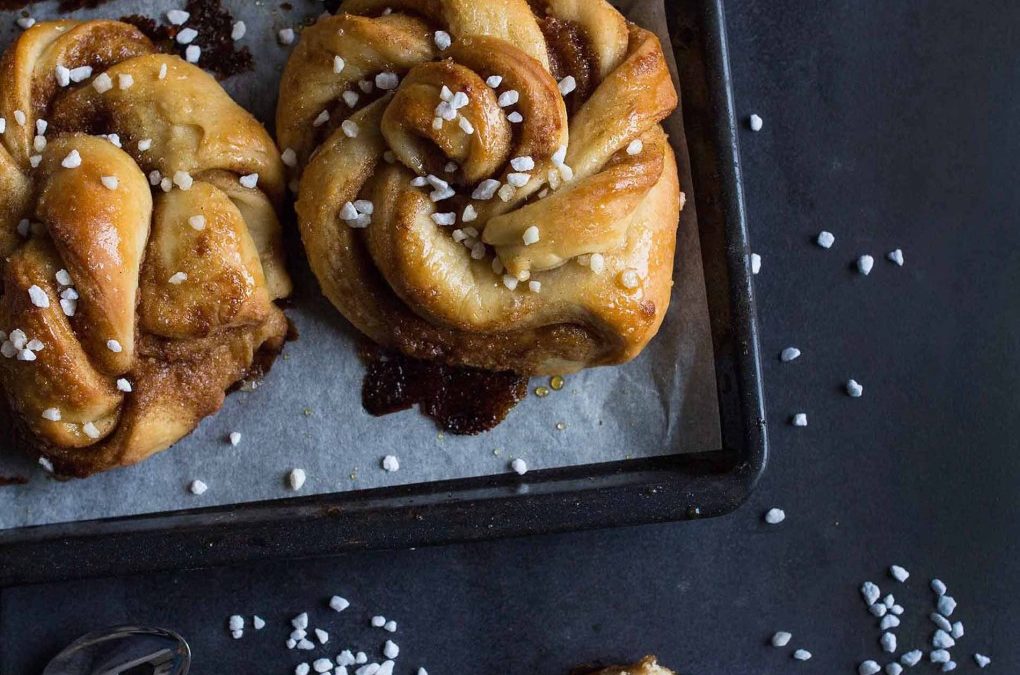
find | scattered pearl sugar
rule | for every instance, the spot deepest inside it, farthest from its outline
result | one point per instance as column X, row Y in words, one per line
column 177, row 17
column 755, row 263
column 789, row 354
column 912, row 658
column 523, row 163
column 47, row 466
column 322, row 636
column 825, row 239
column 635, row 147
column 103, row 83
column 878, row 609
column 443, row 40
column 870, row 592
column 338, row 604
column 302, row 669
column 444, row 219
column 470, row 214
column 981, row 660
column 338, row 65
column 322, row 665
column 888, row 641
column 250, row 181
column 781, row 638
column 349, row 128
column 123, row 385
column 864, row 264
column 197, row 487
column 854, row 390
column 939, row 656
column 38, row 297
column 25, row 22
column 942, row 640
column 286, row 36
column 235, row 438
column 802, row 655
column 518, row 179
column 486, row 189
column 193, row 53
column 110, row 182
column 390, row 463
column 889, row 621
column 186, row 36
column 756, row 122
column 948, row 666
column 893, row 668
column 183, row 180
column 567, row 85
column 236, row 622
column 508, row 98
column 515, row 118
column 72, row 161
column 197, row 222
column 238, row 30
column 237, row 634
column 520, row 466
column 296, row 479
column 799, row 420
column 114, row 346
column 494, row 80
column 390, row 626
column 946, row 605
column 898, row 573
column 895, row 256
column 957, row 631
column 178, row 278
column 80, row 74
column 125, row 81
column 345, row 658
column 775, row 516
column 387, row 81
column 896, row 609
column 258, row 622
column 868, row 668
column 531, row 235
column 938, row 587
column 378, row 621
column 390, row 649
column 535, row 286
column 422, row 671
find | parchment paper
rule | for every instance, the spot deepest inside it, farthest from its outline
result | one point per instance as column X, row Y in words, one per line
column 308, row 414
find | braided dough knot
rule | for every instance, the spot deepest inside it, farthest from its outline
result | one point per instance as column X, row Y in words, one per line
column 486, row 182
column 141, row 245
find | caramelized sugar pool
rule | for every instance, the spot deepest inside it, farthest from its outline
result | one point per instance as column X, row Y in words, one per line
column 461, row 400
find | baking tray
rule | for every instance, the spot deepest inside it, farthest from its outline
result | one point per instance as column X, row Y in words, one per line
column 668, row 488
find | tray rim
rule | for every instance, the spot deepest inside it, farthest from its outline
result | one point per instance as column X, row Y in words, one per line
column 629, row 492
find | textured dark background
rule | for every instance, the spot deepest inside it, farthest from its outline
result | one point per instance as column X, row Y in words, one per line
column 892, row 124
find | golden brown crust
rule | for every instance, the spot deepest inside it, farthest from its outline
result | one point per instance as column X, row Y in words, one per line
column 113, row 282
column 646, row 666
column 603, row 179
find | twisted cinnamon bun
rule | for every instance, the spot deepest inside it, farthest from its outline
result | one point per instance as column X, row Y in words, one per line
column 486, row 182
column 140, row 245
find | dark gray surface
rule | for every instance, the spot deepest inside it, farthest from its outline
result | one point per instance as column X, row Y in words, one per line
column 890, row 125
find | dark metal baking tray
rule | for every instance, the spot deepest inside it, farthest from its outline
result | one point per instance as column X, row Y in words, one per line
column 669, row 488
